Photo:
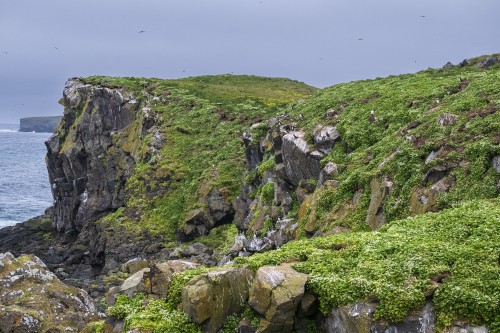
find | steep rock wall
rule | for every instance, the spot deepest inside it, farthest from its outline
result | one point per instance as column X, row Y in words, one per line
column 87, row 162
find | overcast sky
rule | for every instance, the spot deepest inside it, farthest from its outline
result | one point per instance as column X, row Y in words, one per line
column 315, row 41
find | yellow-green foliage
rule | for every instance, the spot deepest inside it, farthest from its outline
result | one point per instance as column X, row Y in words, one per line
column 396, row 264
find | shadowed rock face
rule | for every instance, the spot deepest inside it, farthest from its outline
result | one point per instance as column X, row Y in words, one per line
column 87, row 181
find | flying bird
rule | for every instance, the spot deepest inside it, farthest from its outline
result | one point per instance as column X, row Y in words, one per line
column 141, row 31
column 56, row 47
column 422, row 16
column 360, row 38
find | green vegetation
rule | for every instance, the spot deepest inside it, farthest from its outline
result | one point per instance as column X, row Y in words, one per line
column 157, row 316
column 388, row 127
column 396, row 265
column 395, row 143
column 203, row 119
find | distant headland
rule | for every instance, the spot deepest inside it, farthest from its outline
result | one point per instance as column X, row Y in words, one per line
column 38, row 124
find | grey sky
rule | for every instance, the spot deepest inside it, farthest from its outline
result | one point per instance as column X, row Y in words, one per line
column 314, row 41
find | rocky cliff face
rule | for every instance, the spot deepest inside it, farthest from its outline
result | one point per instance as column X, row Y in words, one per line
column 87, row 169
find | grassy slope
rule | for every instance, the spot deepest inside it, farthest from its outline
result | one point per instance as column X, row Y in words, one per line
column 396, row 101
column 203, row 119
column 395, row 265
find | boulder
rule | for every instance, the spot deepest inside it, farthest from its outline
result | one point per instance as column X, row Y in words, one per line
column 134, row 265
column 15, row 321
column 329, row 171
column 447, row 119
column 135, row 283
column 325, row 138
column 161, row 275
column 198, row 222
column 285, row 229
column 300, row 163
column 465, row 328
column 33, row 299
column 379, row 189
column 488, row 62
column 358, row 317
column 211, row 297
column 276, row 294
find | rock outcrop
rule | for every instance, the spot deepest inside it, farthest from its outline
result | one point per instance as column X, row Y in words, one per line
column 32, row 299
column 211, row 297
column 358, row 317
column 87, row 168
column 276, row 294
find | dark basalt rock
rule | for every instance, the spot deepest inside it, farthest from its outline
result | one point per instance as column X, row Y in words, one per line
column 86, row 181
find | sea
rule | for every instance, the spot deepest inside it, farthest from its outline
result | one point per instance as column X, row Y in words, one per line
column 24, row 181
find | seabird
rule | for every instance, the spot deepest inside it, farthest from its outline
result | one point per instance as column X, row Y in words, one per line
column 422, row 15
column 372, row 117
column 56, row 47
column 141, row 32
column 360, row 38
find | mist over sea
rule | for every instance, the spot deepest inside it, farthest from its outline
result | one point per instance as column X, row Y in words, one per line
column 24, row 184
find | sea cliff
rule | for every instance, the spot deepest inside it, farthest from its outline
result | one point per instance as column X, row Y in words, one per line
column 244, row 203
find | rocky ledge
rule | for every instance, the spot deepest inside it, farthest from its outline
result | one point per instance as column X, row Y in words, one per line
column 33, row 299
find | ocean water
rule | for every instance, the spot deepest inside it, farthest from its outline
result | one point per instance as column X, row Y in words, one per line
column 24, row 181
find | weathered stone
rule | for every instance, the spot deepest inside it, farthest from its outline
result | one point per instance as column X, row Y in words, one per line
column 298, row 163
column 379, row 190
column 488, row 62
column 285, row 229
column 87, row 180
column 465, row 328
column 325, row 138
column 276, row 293
column 448, row 65
column 329, row 171
column 496, row 163
column 211, row 297
column 425, row 199
column 447, row 119
column 240, row 242
column 134, row 265
column 33, row 299
column 308, row 305
column 198, row 222
column 15, row 321
column 358, row 317
column 252, row 151
column 220, row 209
column 135, row 283
column 161, row 275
